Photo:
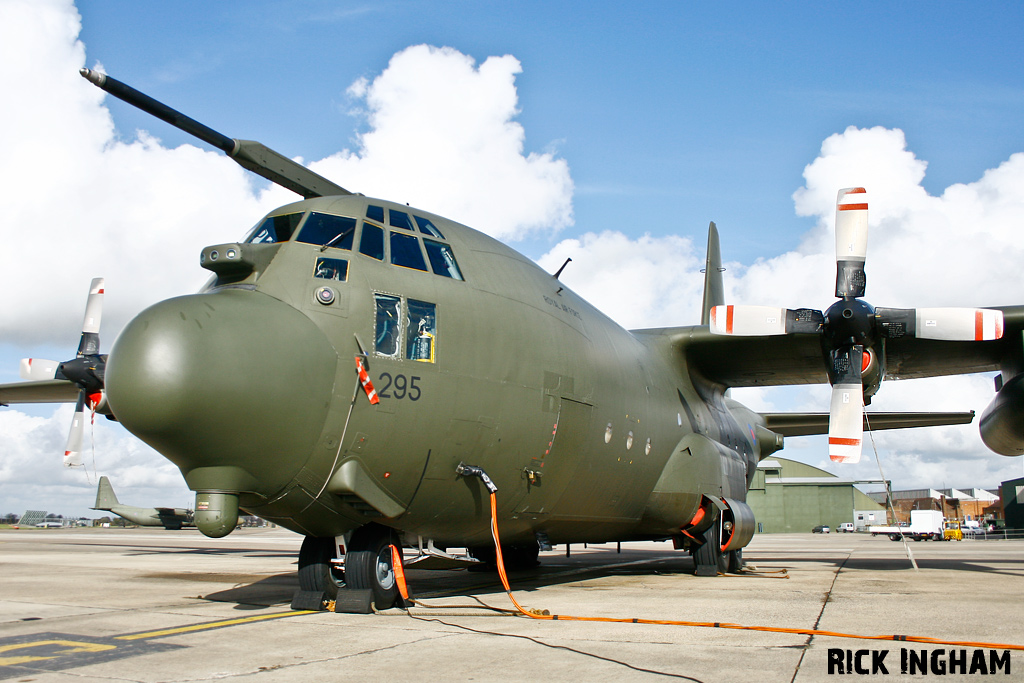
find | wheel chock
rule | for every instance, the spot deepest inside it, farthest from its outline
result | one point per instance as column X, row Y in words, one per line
column 706, row 570
column 309, row 600
column 354, row 601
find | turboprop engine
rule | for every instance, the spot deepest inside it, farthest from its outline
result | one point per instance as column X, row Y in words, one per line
column 1002, row 423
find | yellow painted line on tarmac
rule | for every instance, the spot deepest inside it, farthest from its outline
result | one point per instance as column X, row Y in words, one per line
column 211, row 625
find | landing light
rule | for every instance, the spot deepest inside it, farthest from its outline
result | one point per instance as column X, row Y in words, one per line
column 325, row 295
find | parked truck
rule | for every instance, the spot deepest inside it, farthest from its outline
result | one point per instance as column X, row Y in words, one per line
column 924, row 525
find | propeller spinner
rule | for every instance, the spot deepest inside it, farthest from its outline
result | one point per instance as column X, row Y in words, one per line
column 86, row 370
column 851, row 328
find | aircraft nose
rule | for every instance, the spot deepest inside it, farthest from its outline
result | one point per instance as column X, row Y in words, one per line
column 232, row 386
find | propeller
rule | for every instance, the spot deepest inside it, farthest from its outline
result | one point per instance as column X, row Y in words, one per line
column 86, row 370
column 851, row 328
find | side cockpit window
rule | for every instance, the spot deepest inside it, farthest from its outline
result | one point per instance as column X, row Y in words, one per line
column 421, row 331
column 387, row 337
column 324, row 229
column 405, row 328
column 275, row 229
column 442, row 260
column 331, row 269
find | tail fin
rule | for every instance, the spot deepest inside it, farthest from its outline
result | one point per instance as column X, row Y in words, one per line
column 105, row 498
column 714, row 289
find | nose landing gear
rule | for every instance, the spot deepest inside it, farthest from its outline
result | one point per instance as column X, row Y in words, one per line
column 367, row 566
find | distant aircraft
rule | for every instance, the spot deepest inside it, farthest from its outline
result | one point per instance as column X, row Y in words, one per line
column 483, row 372
column 168, row 518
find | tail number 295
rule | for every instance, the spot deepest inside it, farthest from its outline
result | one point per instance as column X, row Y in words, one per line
column 399, row 387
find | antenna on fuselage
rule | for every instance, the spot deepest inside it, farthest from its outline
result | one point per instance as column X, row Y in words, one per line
column 559, row 271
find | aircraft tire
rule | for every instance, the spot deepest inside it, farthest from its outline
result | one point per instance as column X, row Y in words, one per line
column 710, row 554
column 316, row 573
column 735, row 561
column 368, row 563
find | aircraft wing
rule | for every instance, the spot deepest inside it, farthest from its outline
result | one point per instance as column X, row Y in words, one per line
column 739, row 361
column 46, row 391
column 810, row 424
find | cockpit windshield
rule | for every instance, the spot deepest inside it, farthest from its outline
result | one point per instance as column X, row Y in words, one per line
column 327, row 230
column 275, row 229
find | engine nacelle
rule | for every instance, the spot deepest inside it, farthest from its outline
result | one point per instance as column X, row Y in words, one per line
column 1002, row 423
column 738, row 525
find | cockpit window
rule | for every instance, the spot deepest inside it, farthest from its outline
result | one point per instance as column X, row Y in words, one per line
column 428, row 228
column 399, row 219
column 275, row 229
column 371, row 242
column 375, row 213
column 324, row 229
column 421, row 331
column 405, row 251
column 331, row 269
column 442, row 260
column 387, row 339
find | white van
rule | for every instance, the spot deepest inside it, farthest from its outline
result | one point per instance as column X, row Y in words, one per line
column 847, row 528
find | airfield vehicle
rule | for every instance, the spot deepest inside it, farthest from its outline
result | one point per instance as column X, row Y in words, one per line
column 369, row 375
column 924, row 525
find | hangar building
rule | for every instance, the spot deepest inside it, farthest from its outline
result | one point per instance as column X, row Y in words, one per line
column 790, row 497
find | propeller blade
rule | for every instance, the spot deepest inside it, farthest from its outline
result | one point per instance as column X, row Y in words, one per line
column 36, row 369
column 90, row 343
column 756, row 321
column 846, row 423
column 949, row 324
column 73, row 451
column 745, row 321
column 846, row 413
column 959, row 324
column 851, row 242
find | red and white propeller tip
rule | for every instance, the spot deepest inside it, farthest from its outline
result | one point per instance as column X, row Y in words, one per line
column 73, row 449
column 852, row 224
column 959, row 324
column 748, row 320
column 846, row 423
column 94, row 307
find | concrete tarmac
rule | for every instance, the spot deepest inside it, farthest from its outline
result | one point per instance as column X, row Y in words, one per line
column 151, row 605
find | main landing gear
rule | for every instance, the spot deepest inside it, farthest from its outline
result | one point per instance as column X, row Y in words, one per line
column 710, row 559
column 367, row 565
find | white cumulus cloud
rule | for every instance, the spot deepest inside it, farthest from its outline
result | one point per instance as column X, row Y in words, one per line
column 442, row 136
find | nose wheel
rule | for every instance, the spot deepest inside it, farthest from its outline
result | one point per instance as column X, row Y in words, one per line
column 368, row 563
column 317, row 571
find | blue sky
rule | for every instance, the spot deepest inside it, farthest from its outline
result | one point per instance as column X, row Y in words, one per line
column 669, row 114
column 637, row 124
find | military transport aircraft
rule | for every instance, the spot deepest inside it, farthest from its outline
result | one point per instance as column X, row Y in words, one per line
column 168, row 518
column 352, row 362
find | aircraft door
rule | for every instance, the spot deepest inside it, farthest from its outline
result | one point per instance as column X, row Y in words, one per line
column 551, row 471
